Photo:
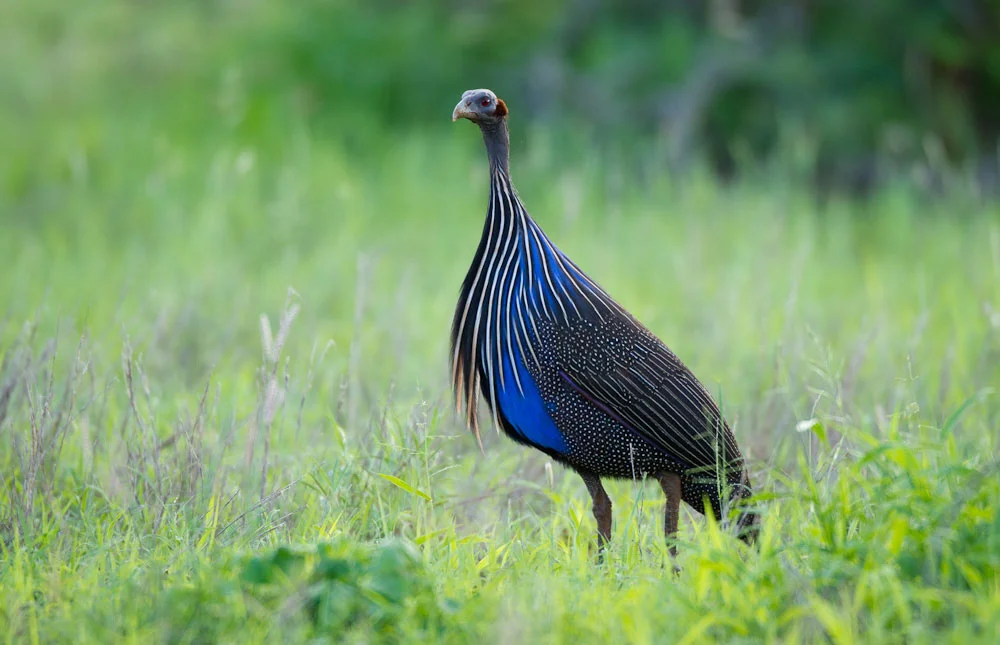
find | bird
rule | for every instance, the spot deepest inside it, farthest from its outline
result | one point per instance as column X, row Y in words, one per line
column 565, row 369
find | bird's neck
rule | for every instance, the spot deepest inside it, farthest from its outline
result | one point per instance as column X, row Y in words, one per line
column 497, row 140
column 506, row 214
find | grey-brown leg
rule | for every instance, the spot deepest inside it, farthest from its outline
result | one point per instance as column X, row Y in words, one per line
column 601, row 508
column 671, row 485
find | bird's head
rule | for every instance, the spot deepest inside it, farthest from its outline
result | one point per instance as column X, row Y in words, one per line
column 482, row 107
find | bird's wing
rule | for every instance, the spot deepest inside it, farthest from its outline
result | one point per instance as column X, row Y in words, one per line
column 621, row 367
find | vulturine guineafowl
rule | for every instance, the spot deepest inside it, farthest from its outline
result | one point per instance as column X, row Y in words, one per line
column 567, row 370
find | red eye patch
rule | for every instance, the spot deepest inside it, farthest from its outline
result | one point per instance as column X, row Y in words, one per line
column 485, row 102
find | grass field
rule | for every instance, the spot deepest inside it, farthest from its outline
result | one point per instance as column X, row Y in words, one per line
column 225, row 416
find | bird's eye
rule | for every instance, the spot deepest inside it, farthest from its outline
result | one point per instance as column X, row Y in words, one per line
column 485, row 102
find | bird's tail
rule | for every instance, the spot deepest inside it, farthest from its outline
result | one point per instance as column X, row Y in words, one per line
column 748, row 522
column 748, row 526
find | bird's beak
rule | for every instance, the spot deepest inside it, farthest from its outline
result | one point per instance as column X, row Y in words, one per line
column 461, row 111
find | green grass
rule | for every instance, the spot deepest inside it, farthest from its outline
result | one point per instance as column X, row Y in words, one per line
column 171, row 471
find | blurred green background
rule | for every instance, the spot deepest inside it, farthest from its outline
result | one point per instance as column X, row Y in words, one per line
column 845, row 93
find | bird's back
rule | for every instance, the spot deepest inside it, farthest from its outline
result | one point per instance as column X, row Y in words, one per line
column 629, row 407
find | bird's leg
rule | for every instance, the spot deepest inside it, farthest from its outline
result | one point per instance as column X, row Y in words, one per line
column 671, row 485
column 601, row 508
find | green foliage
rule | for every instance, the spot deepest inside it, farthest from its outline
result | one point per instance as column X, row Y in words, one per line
column 346, row 586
